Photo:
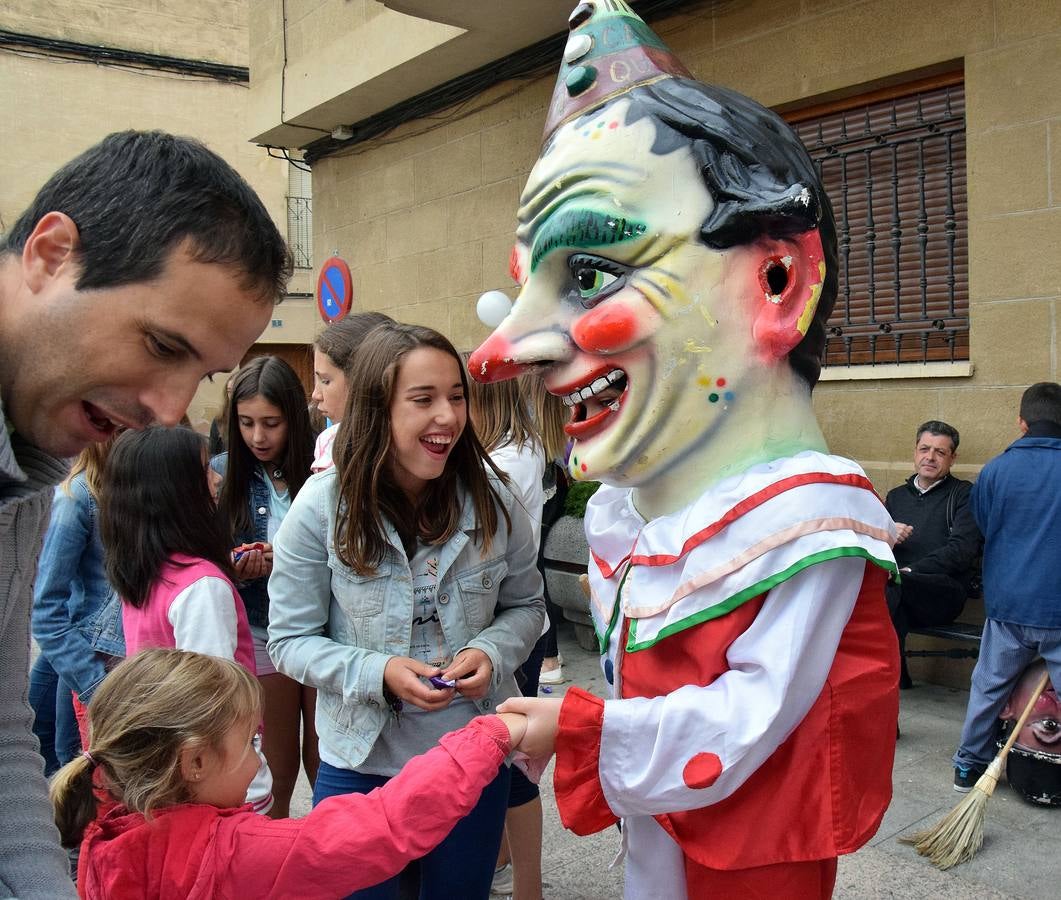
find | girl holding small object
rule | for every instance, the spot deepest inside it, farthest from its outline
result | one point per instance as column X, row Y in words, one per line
column 333, row 357
column 168, row 557
column 409, row 560
column 172, row 743
column 270, row 449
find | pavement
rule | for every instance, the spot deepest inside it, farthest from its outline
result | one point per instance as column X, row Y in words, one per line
column 1021, row 857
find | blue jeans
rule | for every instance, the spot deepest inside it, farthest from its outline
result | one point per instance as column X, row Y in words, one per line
column 54, row 722
column 462, row 866
column 1005, row 652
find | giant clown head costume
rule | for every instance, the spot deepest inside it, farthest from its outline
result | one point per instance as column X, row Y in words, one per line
column 676, row 261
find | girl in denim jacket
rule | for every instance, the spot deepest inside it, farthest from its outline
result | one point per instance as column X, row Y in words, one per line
column 405, row 589
column 76, row 617
column 270, row 445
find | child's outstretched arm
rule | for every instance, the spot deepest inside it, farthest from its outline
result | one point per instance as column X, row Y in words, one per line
column 354, row 841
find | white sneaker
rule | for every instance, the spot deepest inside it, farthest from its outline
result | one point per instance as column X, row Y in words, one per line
column 553, row 676
column 502, row 883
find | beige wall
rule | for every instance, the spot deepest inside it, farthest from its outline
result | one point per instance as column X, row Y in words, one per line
column 54, row 109
column 426, row 217
column 211, row 30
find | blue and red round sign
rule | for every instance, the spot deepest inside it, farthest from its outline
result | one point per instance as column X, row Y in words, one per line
column 335, row 290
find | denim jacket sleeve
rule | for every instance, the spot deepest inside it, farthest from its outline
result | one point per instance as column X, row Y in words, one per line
column 300, row 601
column 55, row 627
column 520, row 610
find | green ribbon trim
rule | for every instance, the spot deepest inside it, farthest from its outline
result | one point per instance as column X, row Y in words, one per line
column 749, row 593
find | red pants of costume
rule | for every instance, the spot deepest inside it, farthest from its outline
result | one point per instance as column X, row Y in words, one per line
column 784, row 881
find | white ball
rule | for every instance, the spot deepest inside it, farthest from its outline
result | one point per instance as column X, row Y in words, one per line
column 492, row 308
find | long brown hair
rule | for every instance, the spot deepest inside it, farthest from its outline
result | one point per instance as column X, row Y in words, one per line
column 156, row 502
column 502, row 415
column 340, row 340
column 368, row 493
column 272, row 378
column 550, row 414
column 144, row 714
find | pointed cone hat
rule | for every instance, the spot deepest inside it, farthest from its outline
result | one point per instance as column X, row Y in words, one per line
column 609, row 51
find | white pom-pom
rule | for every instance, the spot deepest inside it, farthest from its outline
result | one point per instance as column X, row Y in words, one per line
column 493, row 307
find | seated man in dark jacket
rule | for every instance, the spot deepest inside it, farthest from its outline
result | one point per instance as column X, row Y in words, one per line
column 938, row 538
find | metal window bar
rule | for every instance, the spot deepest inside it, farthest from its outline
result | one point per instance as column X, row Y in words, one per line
column 897, row 164
column 300, row 231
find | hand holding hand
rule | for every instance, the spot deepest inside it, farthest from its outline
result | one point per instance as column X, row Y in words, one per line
column 516, row 725
column 543, row 721
column 403, row 677
column 472, row 670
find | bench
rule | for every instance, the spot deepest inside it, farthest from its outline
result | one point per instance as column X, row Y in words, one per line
column 958, row 632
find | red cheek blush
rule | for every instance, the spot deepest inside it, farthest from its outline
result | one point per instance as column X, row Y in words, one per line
column 606, row 329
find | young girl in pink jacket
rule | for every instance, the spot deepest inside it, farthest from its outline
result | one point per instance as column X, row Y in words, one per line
column 173, row 737
column 169, row 558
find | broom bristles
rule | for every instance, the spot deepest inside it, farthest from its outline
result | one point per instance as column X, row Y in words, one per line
column 959, row 835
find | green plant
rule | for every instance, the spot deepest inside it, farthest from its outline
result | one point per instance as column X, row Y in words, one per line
column 578, row 495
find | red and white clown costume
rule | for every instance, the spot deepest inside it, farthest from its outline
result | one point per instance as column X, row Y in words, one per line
column 747, row 642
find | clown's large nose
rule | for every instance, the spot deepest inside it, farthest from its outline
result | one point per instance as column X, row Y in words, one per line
column 495, row 360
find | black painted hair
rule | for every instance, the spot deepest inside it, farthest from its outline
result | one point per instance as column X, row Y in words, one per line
column 272, row 378
column 137, row 195
column 758, row 173
column 154, row 502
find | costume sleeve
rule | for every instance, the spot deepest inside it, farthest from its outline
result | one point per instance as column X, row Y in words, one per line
column 354, row 841
column 58, row 634
column 698, row 745
column 203, row 617
column 955, row 557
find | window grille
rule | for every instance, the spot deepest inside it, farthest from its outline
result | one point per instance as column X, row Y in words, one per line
column 300, row 215
column 894, row 169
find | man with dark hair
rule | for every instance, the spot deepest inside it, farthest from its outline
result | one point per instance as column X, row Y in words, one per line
column 1017, row 504
column 143, row 266
column 676, row 258
column 938, row 538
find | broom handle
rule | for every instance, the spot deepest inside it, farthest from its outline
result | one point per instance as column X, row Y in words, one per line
column 1039, row 688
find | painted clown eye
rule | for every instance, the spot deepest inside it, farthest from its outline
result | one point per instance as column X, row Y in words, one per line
column 595, row 278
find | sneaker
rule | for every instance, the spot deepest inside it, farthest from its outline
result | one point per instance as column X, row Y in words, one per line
column 553, row 676
column 965, row 777
column 502, row 883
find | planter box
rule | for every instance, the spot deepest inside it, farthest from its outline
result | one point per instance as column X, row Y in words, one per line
column 565, row 558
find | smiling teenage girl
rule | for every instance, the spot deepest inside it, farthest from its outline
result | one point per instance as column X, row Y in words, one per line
column 270, row 446
column 408, row 559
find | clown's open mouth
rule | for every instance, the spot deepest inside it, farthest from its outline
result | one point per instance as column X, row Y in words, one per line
column 592, row 405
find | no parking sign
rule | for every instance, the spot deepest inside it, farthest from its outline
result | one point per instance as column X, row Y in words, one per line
column 335, row 290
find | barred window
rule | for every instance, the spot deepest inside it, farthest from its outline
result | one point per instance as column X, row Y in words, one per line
column 893, row 165
column 300, row 215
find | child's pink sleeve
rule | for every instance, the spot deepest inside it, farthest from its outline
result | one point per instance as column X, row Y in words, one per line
column 358, row 840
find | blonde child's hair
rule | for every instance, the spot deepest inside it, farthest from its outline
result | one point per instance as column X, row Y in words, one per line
column 91, row 461
column 146, row 712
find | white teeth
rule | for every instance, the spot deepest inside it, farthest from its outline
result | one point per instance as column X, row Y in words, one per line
column 598, row 386
column 436, row 439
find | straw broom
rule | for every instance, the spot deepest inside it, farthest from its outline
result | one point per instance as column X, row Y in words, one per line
column 959, row 835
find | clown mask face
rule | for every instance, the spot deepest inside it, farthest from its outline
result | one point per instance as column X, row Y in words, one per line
column 656, row 342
